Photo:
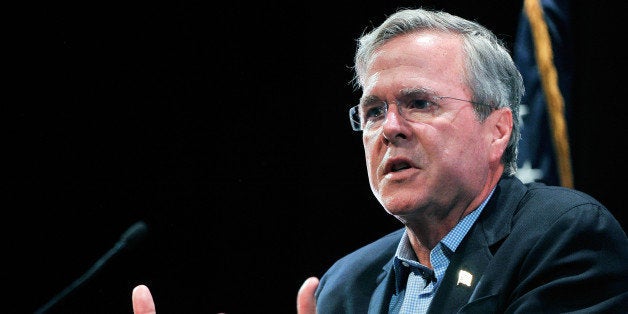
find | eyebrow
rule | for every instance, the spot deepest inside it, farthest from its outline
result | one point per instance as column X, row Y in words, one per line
column 416, row 91
column 369, row 100
column 425, row 92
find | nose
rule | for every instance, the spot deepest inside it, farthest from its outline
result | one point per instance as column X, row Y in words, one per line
column 395, row 126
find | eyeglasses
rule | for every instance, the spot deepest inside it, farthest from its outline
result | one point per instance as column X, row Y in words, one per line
column 415, row 107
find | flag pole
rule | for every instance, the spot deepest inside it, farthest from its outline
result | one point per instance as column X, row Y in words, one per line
column 553, row 97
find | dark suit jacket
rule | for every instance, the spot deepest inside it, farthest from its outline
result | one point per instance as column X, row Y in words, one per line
column 534, row 248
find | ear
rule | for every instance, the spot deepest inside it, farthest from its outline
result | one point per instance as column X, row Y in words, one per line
column 500, row 124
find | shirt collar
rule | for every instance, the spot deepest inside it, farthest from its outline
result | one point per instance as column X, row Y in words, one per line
column 439, row 256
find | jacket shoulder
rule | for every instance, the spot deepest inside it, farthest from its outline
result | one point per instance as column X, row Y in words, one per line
column 350, row 281
column 546, row 204
column 371, row 256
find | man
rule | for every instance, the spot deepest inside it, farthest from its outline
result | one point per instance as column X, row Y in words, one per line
column 439, row 122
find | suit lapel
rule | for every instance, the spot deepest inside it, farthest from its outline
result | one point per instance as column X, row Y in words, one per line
column 464, row 271
column 474, row 253
column 382, row 294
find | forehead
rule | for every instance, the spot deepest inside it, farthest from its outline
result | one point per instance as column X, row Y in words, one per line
column 428, row 60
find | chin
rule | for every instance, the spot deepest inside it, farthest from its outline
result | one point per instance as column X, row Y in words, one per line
column 400, row 207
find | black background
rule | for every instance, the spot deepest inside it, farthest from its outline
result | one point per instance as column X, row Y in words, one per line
column 224, row 127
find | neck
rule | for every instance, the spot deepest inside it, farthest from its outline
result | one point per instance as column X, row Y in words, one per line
column 426, row 231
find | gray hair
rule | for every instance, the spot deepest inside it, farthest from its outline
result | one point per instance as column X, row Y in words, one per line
column 490, row 71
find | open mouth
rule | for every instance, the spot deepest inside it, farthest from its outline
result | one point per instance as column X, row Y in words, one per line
column 399, row 166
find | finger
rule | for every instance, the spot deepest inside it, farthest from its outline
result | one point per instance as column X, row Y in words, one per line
column 142, row 301
column 306, row 301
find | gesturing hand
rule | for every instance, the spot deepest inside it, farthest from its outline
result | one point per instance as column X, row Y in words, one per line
column 306, row 302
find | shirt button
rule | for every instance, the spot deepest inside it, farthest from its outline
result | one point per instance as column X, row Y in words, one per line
column 404, row 264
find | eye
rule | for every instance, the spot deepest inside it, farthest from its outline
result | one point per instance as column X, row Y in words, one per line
column 418, row 103
column 375, row 111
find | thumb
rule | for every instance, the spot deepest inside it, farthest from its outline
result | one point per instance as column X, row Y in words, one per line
column 306, row 301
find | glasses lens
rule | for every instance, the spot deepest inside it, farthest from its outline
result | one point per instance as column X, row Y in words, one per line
column 354, row 118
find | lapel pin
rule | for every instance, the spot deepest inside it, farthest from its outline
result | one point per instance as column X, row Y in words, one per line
column 465, row 278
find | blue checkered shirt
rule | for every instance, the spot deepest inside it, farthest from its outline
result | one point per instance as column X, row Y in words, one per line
column 416, row 284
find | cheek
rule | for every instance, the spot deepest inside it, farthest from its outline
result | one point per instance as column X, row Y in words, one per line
column 457, row 145
column 466, row 152
column 369, row 149
column 372, row 160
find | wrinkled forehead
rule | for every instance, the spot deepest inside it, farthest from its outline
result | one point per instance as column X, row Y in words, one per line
column 420, row 60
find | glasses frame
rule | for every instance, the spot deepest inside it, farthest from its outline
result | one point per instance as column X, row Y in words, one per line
column 356, row 125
